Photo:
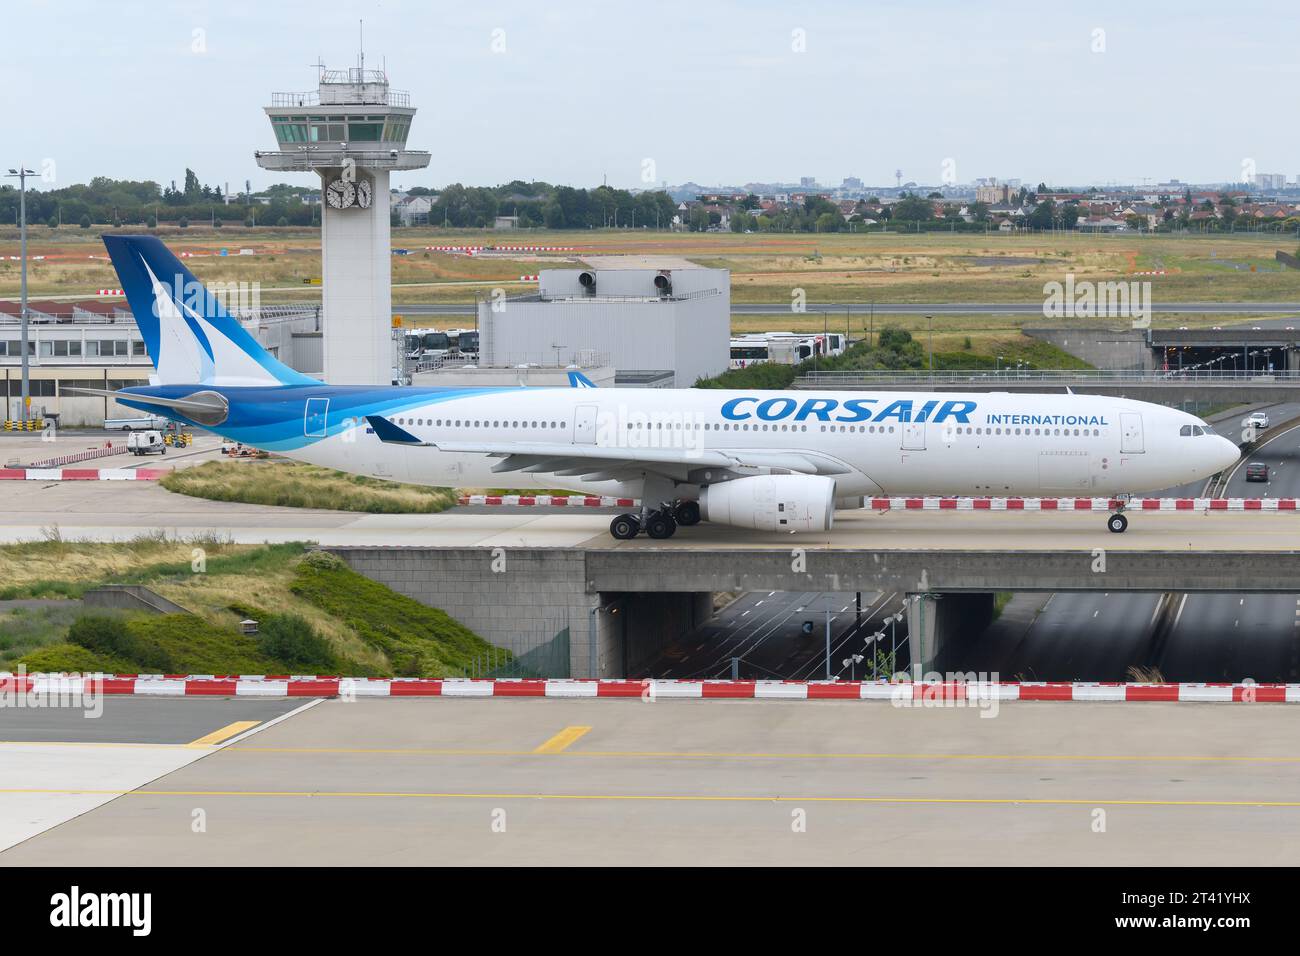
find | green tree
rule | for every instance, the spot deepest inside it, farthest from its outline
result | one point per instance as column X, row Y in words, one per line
column 85, row 221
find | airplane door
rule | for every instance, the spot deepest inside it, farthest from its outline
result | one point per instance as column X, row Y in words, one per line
column 1130, row 425
column 913, row 436
column 584, row 425
column 313, row 419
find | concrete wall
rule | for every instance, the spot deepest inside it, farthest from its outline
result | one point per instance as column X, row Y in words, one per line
column 1101, row 348
column 519, row 598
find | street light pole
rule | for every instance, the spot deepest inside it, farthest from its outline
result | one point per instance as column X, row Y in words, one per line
column 21, row 174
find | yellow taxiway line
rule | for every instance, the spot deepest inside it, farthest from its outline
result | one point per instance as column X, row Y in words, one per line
column 562, row 741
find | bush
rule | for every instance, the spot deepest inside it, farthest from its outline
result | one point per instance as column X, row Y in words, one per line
column 52, row 222
column 184, row 223
column 73, row 658
column 291, row 639
column 249, row 222
column 152, row 222
column 85, row 222
column 113, row 637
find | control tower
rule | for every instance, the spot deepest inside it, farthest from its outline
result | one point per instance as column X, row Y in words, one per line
column 351, row 131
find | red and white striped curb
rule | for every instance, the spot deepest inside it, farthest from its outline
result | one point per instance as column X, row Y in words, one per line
column 553, row 501
column 454, row 248
column 1151, row 272
column 534, row 248
column 158, row 685
column 82, row 474
column 945, row 504
column 1082, row 504
column 110, row 292
column 529, row 278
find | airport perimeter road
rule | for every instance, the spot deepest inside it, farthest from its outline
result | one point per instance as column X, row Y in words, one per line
column 1255, row 635
column 915, row 308
column 764, row 631
column 541, row 781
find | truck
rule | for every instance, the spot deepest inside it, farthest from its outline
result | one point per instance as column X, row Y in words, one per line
column 148, row 442
column 138, row 423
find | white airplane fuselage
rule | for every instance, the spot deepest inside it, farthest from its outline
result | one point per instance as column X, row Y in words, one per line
column 871, row 443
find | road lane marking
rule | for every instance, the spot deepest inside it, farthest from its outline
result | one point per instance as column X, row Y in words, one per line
column 562, row 741
column 223, row 733
column 760, row 755
column 675, row 797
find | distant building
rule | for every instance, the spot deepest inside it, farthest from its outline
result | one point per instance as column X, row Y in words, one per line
column 667, row 335
column 996, row 194
column 1270, row 182
column 414, row 210
column 505, row 222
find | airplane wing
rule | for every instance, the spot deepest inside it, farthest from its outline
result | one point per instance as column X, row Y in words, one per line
column 603, row 462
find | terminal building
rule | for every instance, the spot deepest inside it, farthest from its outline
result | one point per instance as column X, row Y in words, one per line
column 661, row 328
column 96, row 344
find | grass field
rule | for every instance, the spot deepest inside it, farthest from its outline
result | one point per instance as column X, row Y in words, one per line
column 357, row 626
column 859, row 267
column 297, row 485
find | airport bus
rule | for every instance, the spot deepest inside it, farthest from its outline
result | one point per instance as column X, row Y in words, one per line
column 427, row 344
column 464, row 342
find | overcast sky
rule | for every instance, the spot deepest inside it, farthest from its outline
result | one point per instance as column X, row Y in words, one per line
column 713, row 91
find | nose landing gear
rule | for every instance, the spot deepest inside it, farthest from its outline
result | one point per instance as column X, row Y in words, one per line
column 1117, row 522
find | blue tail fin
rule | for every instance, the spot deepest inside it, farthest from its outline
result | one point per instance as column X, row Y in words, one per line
column 190, row 336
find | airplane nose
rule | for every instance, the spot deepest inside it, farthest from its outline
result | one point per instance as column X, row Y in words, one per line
column 1226, row 454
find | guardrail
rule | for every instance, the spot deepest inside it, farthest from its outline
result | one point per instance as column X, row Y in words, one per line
column 88, row 455
column 1056, row 377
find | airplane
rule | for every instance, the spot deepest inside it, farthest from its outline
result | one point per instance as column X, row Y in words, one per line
column 763, row 460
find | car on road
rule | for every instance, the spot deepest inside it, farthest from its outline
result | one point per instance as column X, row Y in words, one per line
column 1256, row 420
column 1257, row 471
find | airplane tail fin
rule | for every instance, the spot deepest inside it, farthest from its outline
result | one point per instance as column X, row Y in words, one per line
column 578, row 380
column 190, row 336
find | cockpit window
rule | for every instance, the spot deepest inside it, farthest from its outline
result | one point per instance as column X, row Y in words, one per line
column 1185, row 430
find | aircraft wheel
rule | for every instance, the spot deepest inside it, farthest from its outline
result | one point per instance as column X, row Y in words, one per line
column 1117, row 523
column 687, row 513
column 660, row 526
column 625, row 527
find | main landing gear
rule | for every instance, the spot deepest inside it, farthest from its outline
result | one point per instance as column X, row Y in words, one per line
column 659, row 524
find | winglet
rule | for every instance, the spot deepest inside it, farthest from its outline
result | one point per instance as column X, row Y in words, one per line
column 578, row 380
column 390, row 434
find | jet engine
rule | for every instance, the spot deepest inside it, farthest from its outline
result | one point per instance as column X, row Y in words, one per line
column 772, row 502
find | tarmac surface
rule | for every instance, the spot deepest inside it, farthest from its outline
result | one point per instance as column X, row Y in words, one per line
column 120, row 510
column 490, row 782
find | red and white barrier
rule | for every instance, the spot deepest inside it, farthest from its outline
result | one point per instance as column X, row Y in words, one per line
column 946, row 504
column 114, row 292
column 937, row 693
column 534, row 249
column 81, row 474
column 529, row 278
column 549, row 501
column 1082, row 504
